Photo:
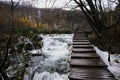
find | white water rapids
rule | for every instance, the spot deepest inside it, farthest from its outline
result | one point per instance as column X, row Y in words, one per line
column 54, row 64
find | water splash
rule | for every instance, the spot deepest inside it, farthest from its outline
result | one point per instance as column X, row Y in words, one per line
column 49, row 76
column 55, row 65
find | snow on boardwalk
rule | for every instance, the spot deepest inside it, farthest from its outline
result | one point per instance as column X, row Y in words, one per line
column 85, row 63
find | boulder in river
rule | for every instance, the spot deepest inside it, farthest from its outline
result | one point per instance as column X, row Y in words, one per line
column 28, row 47
column 19, row 47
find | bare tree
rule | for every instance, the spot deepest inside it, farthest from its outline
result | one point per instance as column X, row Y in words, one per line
column 3, row 73
column 96, row 15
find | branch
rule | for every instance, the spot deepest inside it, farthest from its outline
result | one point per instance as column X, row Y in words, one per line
column 88, row 11
column 8, row 41
column 66, row 4
column 91, row 5
column 10, row 36
column 16, row 4
column 74, row 7
column 52, row 5
column 89, row 19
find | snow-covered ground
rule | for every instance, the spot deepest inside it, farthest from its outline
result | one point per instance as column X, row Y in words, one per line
column 54, row 64
column 114, row 65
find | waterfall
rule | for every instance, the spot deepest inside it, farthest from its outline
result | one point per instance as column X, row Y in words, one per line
column 54, row 66
column 49, row 76
column 33, row 47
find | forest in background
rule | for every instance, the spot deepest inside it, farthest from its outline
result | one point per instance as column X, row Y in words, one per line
column 46, row 20
column 28, row 23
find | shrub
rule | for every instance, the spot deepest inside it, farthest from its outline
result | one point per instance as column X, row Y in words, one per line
column 26, row 31
column 43, row 31
column 65, row 31
column 54, row 31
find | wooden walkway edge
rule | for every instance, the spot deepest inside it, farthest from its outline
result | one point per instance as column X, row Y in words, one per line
column 85, row 63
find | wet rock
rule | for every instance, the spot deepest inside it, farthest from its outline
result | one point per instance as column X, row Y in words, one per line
column 22, row 39
column 116, row 61
column 37, row 41
column 12, row 50
column 36, row 38
column 37, row 45
column 19, row 47
column 28, row 47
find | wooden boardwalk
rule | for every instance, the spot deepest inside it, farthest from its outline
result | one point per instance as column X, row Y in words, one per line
column 85, row 63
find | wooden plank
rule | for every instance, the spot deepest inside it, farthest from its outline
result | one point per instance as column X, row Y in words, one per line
column 81, row 43
column 102, row 71
column 83, row 50
column 86, row 40
column 87, row 63
column 92, row 77
column 82, row 46
column 84, row 55
column 79, row 38
column 90, row 73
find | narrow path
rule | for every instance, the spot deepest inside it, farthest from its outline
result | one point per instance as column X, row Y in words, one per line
column 85, row 63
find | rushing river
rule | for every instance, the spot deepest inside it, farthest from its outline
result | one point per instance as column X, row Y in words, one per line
column 54, row 65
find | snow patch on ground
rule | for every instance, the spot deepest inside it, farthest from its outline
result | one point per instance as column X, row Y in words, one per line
column 103, row 55
column 114, row 65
